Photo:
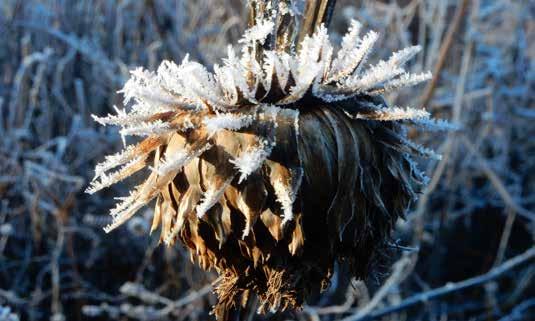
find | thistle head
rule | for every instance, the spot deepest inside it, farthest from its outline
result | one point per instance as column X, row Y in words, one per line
column 279, row 152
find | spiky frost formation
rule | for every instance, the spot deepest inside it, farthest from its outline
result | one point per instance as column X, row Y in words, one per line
column 264, row 163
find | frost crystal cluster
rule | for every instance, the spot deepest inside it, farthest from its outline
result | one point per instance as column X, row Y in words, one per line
column 269, row 158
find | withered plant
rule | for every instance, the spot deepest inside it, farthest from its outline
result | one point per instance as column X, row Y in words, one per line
column 277, row 163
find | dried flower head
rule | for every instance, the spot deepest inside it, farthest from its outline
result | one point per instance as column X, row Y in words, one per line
column 273, row 166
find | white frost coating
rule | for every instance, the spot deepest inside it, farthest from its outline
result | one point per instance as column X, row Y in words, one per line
column 374, row 76
column 350, row 39
column 352, row 58
column 309, row 64
column 121, row 118
column 296, row 125
column 178, row 160
column 349, row 54
column 124, row 215
column 114, row 160
column 145, row 86
column 250, row 160
column 269, row 68
column 166, row 75
column 124, row 203
column 394, row 113
column 157, row 128
column 282, row 68
column 211, row 197
column 435, row 124
column 399, row 58
column 173, row 162
column 227, row 121
column 269, row 113
column 423, row 151
column 258, row 33
column 141, row 112
column 224, row 77
column 286, row 197
column 414, row 168
column 245, row 91
column 105, row 180
column 406, row 80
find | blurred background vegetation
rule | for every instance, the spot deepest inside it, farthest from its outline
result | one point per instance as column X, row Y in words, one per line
column 63, row 60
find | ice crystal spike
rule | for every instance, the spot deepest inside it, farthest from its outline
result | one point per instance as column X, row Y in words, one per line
column 227, row 122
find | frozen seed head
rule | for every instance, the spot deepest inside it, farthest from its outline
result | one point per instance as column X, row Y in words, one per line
column 247, row 92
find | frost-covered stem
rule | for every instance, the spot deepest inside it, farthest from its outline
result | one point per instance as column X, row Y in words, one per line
column 294, row 20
